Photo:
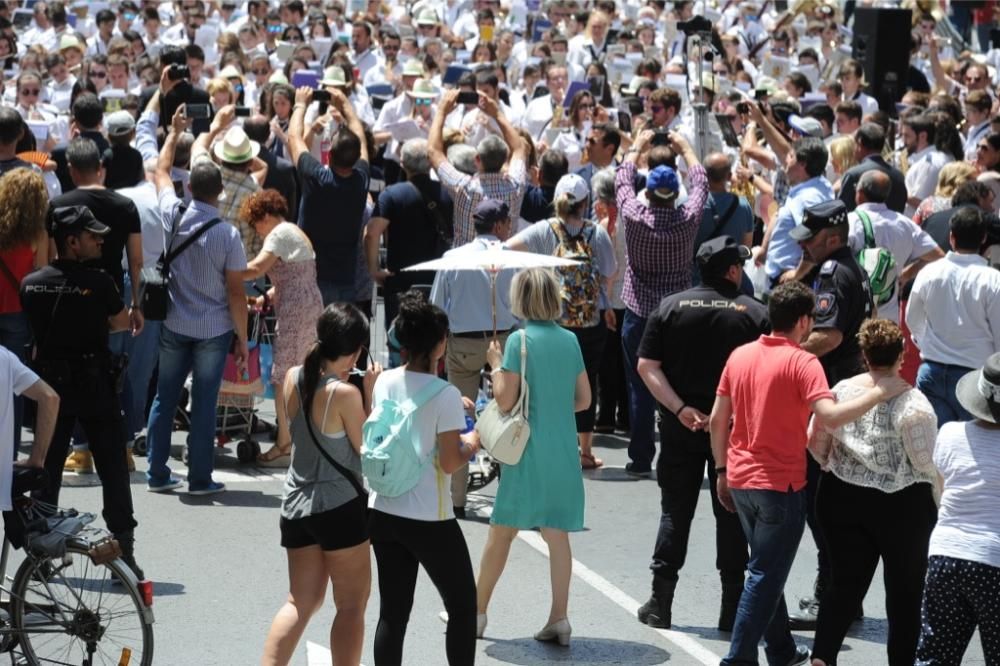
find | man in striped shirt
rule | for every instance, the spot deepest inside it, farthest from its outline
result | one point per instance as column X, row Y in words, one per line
column 659, row 238
column 207, row 305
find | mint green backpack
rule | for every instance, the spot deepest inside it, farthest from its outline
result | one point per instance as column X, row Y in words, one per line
column 391, row 457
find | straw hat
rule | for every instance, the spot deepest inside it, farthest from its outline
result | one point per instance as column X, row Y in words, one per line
column 413, row 67
column 236, row 147
column 230, row 72
column 334, row 76
column 427, row 16
column 423, row 89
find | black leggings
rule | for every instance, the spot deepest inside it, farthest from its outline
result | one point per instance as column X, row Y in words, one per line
column 860, row 526
column 591, row 341
column 400, row 545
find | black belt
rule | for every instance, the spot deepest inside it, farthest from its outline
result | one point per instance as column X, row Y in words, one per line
column 479, row 334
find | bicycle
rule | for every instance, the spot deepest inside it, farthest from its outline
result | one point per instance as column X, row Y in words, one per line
column 72, row 601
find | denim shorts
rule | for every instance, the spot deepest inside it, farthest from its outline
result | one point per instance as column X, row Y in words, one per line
column 336, row 529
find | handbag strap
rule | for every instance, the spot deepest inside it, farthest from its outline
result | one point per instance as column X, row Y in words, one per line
column 346, row 473
column 521, row 399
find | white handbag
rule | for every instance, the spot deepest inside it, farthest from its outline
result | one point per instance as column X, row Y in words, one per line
column 504, row 436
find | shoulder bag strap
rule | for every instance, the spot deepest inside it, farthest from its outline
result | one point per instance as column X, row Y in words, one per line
column 434, row 210
column 346, row 473
column 866, row 222
column 173, row 254
column 5, row 269
column 724, row 217
column 523, row 397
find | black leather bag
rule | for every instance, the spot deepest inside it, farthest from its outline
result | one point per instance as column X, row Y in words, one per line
column 154, row 293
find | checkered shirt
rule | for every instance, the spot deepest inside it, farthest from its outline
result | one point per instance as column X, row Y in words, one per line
column 659, row 241
column 467, row 191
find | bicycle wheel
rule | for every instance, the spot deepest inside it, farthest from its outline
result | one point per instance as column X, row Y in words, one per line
column 72, row 611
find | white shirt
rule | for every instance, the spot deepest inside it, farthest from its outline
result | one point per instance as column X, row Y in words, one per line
column 895, row 232
column 394, row 111
column 59, row 93
column 976, row 132
column 867, row 103
column 365, row 61
column 921, row 177
column 954, row 311
column 968, row 523
column 430, row 499
column 150, row 219
column 537, row 116
column 467, row 296
column 18, row 378
column 97, row 46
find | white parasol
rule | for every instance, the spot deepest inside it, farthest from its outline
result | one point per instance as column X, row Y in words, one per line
column 493, row 259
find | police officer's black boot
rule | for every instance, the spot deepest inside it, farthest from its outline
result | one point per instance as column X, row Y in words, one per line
column 732, row 590
column 126, row 540
column 656, row 611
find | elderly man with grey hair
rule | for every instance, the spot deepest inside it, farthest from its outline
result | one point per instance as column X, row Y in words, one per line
column 418, row 215
column 491, row 180
column 911, row 247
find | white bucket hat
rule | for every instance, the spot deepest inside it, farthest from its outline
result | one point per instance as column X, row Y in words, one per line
column 423, row 89
column 334, row 76
column 236, row 147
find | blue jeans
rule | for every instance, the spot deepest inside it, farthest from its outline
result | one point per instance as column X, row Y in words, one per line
column 143, row 355
column 937, row 381
column 773, row 523
column 641, row 406
column 205, row 359
column 15, row 335
column 336, row 293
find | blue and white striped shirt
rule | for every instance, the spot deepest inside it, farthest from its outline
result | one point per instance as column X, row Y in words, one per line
column 199, row 303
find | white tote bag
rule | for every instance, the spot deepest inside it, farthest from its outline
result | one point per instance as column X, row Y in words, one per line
column 504, row 436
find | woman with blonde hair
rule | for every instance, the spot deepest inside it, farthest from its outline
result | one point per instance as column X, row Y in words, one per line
column 586, row 311
column 875, row 501
column 951, row 176
column 842, row 157
column 24, row 247
column 545, row 489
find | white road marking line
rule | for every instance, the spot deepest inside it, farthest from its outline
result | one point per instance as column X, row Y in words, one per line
column 318, row 655
column 604, row 586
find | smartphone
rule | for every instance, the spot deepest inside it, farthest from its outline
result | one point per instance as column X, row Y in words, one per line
column 177, row 72
column 661, row 138
column 624, row 121
column 596, row 86
column 198, row 111
column 468, row 97
column 760, row 95
column 243, row 111
column 743, row 108
column 321, row 95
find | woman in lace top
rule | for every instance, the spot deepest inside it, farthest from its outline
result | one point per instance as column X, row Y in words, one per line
column 875, row 501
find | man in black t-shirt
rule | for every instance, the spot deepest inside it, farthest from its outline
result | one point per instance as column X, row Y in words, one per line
column 418, row 215
column 12, row 128
column 72, row 307
column 117, row 212
column 684, row 349
column 332, row 203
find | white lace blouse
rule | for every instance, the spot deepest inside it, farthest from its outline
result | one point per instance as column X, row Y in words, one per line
column 888, row 448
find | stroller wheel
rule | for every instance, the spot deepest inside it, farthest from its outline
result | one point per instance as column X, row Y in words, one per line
column 247, row 451
column 139, row 445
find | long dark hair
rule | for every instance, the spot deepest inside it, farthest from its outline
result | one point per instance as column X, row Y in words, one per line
column 341, row 330
column 420, row 326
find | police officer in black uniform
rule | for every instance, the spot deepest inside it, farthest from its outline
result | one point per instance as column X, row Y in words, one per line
column 684, row 349
column 72, row 308
column 843, row 302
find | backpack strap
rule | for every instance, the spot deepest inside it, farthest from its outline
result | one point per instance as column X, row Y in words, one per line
column 425, row 394
column 866, row 222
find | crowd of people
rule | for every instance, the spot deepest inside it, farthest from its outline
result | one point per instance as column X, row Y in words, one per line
column 785, row 267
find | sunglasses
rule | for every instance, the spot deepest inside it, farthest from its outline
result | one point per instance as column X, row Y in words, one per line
column 420, row 101
column 371, row 363
column 31, row 93
column 98, row 75
column 261, row 72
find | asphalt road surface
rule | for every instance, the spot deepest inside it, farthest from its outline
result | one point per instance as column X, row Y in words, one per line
column 220, row 575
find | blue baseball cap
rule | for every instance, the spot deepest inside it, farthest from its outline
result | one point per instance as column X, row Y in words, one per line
column 663, row 184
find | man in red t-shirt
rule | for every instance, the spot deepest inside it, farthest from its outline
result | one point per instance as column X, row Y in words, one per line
column 768, row 389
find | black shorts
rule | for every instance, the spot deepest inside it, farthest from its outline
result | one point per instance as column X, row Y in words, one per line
column 339, row 528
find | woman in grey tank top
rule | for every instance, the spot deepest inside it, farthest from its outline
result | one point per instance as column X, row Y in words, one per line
column 324, row 515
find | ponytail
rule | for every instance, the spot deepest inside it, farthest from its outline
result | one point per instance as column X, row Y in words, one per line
column 310, row 377
column 340, row 331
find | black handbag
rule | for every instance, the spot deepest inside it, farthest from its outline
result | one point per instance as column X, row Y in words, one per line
column 154, row 294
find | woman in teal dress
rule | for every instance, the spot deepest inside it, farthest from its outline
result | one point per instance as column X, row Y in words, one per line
column 545, row 489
